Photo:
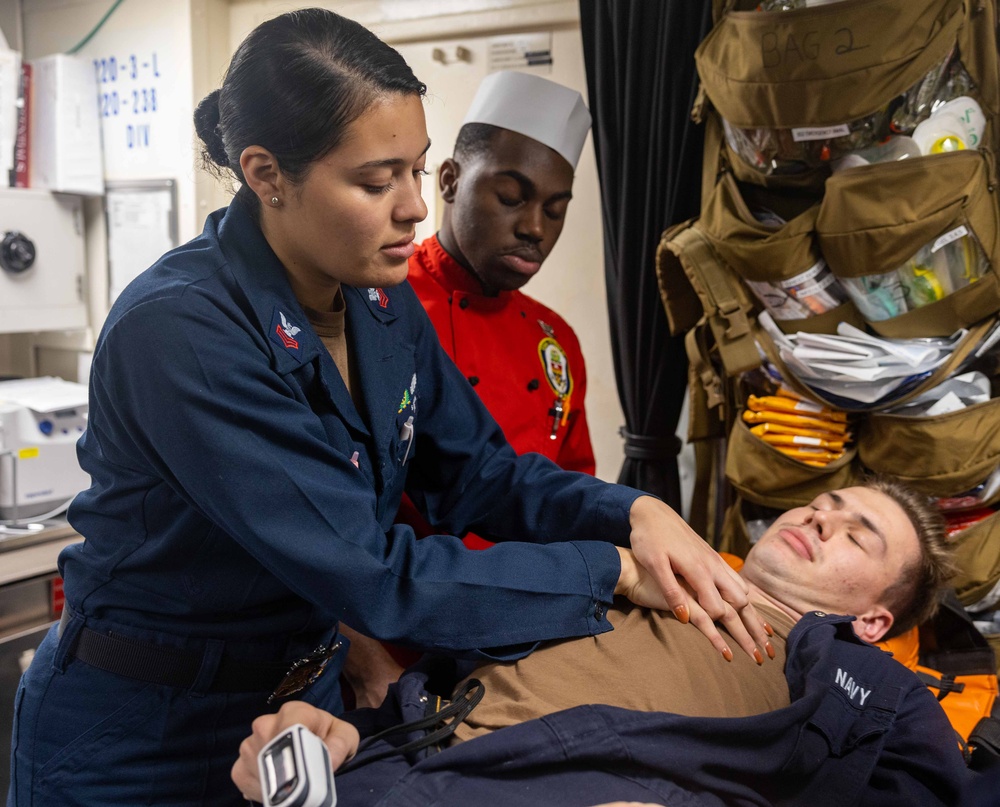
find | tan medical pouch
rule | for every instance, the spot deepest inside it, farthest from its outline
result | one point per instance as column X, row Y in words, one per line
column 824, row 65
column 763, row 475
column 977, row 554
column 874, row 218
column 829, row 66
column 764, row 254
column 942, row 455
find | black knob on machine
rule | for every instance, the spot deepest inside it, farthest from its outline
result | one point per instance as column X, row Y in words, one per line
column 17, row 252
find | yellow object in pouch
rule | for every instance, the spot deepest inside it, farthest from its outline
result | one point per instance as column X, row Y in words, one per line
column 789, row 419
column 809, row 454
column 782, row 404
column 780, row 428
column 788, row 392
column 802, row 440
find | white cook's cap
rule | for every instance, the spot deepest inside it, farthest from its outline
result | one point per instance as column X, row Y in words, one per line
column 535, row 107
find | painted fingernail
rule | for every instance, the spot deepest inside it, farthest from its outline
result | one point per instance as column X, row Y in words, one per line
column 768, row 629
column 681, row 612
column 757, row 656
column 727, row 654
column 770, row 649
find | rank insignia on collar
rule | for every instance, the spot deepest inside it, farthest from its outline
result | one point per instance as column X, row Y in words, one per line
column 283, row 332
column 379, row 296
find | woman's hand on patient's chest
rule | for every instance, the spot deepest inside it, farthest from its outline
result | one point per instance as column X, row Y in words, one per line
column 665, row 548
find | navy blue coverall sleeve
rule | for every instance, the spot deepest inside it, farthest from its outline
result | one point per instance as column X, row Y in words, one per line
column 224, row 484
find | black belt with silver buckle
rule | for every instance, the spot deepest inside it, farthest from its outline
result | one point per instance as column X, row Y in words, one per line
column 168, row 666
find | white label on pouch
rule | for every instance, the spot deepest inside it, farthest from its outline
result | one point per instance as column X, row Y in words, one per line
column 947, row 238
column 820, row 132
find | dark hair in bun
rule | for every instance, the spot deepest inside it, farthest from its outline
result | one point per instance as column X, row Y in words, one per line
column 206, row 124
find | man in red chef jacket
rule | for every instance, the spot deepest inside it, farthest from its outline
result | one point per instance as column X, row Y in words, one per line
column 506, row 191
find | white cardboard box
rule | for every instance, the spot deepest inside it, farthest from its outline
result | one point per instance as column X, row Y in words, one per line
column 65, row 128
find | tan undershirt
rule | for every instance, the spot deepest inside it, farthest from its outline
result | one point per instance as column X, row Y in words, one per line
column 330, row 327
column 650, row 662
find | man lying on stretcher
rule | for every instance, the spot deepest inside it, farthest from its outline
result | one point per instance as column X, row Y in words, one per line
column 875, row 552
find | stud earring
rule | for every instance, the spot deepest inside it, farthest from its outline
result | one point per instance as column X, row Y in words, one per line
column 274, row 200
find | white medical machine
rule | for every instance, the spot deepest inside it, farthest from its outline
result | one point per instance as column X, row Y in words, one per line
column 41, row 420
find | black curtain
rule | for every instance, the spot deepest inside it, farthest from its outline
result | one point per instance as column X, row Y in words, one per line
column 639, row 57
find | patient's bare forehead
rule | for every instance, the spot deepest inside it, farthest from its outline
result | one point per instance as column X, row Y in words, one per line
column 882, row 514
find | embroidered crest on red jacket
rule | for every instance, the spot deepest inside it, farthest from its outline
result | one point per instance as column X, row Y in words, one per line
column 555, row 362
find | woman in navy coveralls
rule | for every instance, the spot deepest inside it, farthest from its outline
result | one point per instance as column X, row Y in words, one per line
column 242, row 498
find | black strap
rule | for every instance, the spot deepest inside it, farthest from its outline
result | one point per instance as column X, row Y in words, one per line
column 464, row 700
column 644, row 447
column 944, row 684
column 984, row 744
column 168, row 666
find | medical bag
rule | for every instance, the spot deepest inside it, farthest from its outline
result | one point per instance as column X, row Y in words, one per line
column 849, row 177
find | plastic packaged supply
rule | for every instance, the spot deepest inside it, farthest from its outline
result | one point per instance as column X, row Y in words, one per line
column 812, row 456
column 803, row 430
column 952, row 126
column 762, row 429
column 777, row 300
column 940, row 134
column 814, row 291
column 922, row 284
column 891, row 149
column 787, row 392
column 970, row 113
column 788, row 419
column 983, row 492
column 945, row 82
column 802, row 440
column 958, row 256
column 877, row 297
column 951, row 395
column 956, row 522
column 948, row 263
column 955, row 259
column 782, row 404
column 783, row 151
